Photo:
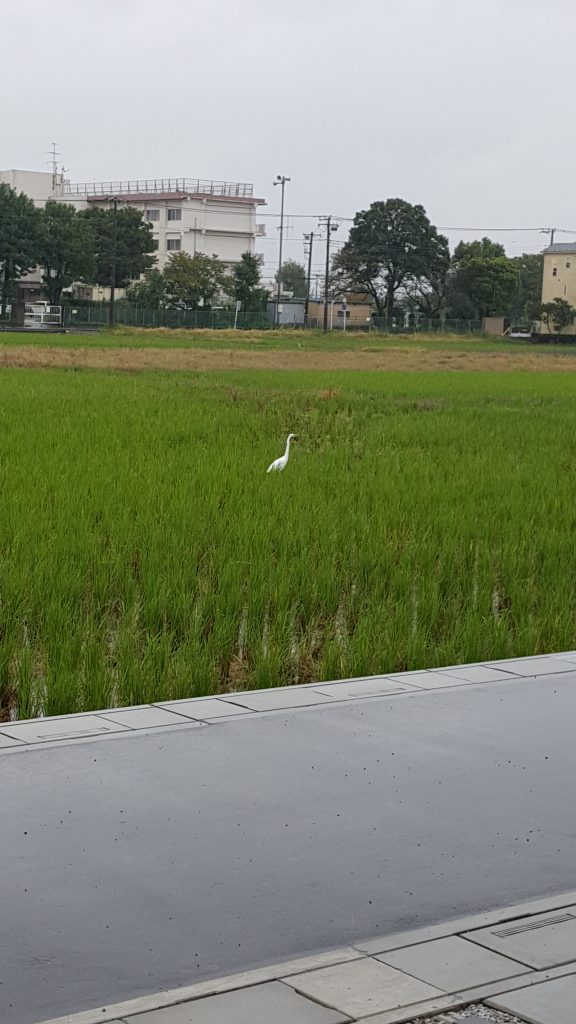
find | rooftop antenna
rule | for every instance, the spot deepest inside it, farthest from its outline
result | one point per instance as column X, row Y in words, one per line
column 54, row 154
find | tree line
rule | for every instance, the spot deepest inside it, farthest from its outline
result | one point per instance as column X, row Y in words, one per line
column 90, row 246
column 69, row 245
column 200, row 281
column 398, row 257
column 393, row 254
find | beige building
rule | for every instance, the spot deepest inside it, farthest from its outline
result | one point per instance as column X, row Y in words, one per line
column 559, row 276
column 358, row 313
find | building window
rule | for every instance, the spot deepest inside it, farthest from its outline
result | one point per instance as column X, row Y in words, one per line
column 173, row 244
column 554, row 271
column 152, row 214
column 567, row 264
column 174, row 214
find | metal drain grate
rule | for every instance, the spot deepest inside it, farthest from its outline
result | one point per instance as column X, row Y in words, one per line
column 531, row 927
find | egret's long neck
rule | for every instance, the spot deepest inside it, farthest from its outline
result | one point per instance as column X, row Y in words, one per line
column 287, row 452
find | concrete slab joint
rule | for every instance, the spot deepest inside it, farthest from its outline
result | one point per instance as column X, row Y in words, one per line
column 207, row 709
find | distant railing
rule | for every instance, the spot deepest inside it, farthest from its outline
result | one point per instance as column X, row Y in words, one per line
column 234, row 189
column 391, row 325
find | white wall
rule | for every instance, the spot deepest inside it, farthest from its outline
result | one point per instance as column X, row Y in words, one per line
column 38, row 185
column 223, row 229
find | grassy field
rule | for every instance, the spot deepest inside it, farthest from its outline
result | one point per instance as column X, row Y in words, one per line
column 423, row 520
column 279, row 340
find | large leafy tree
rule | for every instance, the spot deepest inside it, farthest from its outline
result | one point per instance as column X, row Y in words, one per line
column 66, row 248
column 428, row 292
column 246, row 287
column 192, row 282
column 482, row 280
column 122, row 237
column 391, row 246
column 19, row 239
column 293, row 278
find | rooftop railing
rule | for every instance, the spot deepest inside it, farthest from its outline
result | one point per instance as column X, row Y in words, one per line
column 232, row 189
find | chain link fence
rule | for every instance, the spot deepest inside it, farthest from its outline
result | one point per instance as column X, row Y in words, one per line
column 128, row 314
column 93, row 316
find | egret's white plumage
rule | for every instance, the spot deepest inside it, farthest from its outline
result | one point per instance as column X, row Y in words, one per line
column 279, row 464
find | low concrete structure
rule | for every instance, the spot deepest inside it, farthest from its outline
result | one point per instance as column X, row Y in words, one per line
column 291, row 312
column 496, row 326
column 357, row 314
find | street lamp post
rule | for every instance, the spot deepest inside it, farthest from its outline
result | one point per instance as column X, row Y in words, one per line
column 113, row 261
column 281, row 180
column 309, row 239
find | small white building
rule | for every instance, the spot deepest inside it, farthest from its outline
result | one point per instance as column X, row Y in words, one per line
column 216, row 218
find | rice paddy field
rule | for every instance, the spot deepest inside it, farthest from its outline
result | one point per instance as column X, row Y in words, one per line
column 424, row 519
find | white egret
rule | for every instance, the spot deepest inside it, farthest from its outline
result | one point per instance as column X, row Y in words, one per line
column 279, row 464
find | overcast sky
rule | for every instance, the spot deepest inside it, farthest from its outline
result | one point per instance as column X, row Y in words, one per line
column 465, row 106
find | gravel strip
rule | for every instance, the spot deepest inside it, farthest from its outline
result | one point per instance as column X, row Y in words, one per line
column 471, row 1015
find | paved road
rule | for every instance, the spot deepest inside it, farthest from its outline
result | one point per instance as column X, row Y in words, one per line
column 154, row 860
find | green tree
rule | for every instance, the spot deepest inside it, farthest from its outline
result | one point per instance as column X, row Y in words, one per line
column 134, row 248
column 483, row 248
column 427, row 294
column 246, row 287
column 19, row 239
column 482, row 280
column 192, row 282
column 528, row 298
column 293, row 277
column 391, row 245
column 66, row 248
column 150, row 292
column 557, row 315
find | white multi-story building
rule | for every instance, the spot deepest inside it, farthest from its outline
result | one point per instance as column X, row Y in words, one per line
column 216, row 218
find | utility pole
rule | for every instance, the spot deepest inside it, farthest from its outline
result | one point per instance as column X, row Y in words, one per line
column 113, row 261
column 281, row 180
column 309, row 242
column 330, row 227
column 549, row 231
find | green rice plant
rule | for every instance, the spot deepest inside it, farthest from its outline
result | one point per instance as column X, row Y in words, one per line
column 145, row 554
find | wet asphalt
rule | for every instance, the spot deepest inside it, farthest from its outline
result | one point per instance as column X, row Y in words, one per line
column 153, row 860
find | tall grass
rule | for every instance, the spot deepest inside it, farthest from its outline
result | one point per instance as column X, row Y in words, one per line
column 145, row 554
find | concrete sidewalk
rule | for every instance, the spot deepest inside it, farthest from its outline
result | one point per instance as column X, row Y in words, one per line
column 193, row 853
